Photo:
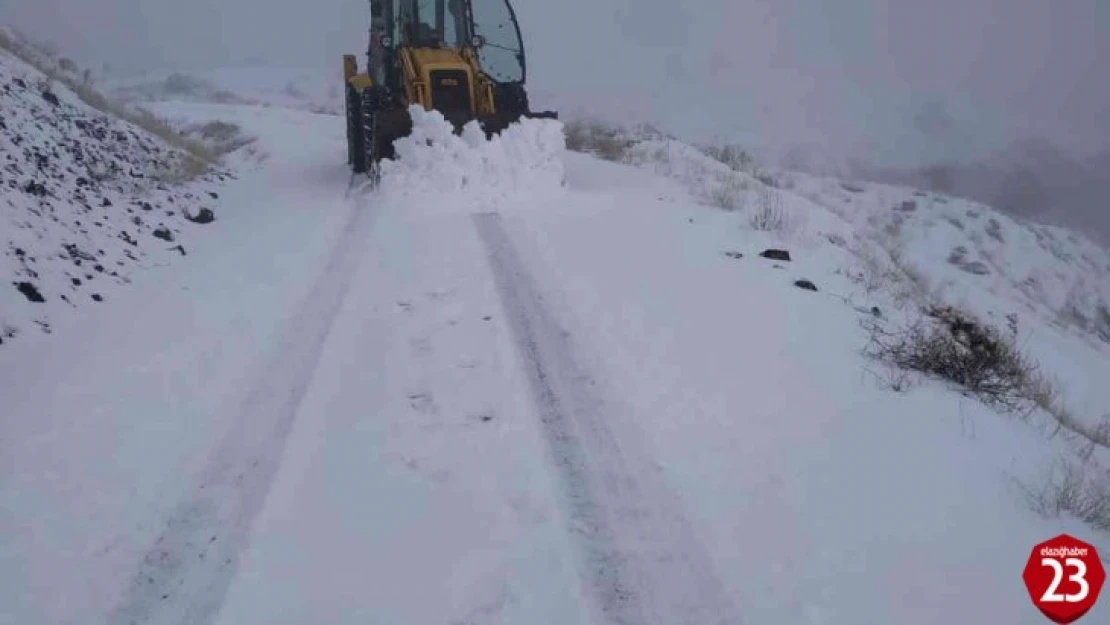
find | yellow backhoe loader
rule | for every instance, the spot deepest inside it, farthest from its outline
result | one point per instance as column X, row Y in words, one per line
column 463, row 58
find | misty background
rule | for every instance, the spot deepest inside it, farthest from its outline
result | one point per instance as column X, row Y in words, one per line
column 1004, row 101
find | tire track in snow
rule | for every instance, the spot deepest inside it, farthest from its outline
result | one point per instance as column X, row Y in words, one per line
column 184, row 577
column 643, row 564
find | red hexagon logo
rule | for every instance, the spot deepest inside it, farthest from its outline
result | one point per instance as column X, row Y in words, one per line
column 1064, row 577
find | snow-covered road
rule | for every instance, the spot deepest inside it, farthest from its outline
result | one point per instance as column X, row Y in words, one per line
column 491, row 399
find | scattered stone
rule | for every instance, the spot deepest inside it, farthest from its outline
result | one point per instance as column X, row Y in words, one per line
column 164, row 234
column 178, row 248
column 215, row 196
column 30, row 291
column 776, row 255
column 205, row 216
column 734, row 255
column 875, row 312
column 35, row 188
column 20, row 83
column 908, row 206
column 97, row 297
column 75, row 281
column 805, row 284
column 852, row 187
column 51, row 98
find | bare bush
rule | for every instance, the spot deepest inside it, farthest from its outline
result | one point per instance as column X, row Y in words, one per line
column 769, row 214
column 735, row 157
column 952, row 345
column 1077, row 489
column 222, row 137
column 986, row 363
column 597, row 138
column 729, row 193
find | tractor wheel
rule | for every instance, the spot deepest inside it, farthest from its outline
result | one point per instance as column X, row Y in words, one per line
column 375, row 143
column 356, row 152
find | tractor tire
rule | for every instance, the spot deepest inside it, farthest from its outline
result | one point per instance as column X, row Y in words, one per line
column 356, row 151
column 376, row 144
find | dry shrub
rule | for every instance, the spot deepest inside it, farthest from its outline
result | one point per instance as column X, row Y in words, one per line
column 952, row 345
column 769, row 214
column 1080, row 489
column 597, row 138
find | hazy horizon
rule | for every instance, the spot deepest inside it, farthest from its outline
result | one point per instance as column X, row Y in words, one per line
column 894, row 82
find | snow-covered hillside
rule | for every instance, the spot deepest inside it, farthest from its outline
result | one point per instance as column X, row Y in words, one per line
column 87, row 200
column 308, row 90
column 518, row 384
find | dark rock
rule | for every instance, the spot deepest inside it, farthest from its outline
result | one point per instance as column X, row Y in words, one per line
column 776, row 255
column 164, row 234
column 146, row 206
column 908, row 206
column 51, row 98
column 734, row 255
column 852, row 187
column 97, row 297
column 82, row 182
column 20, row 83
column 138, row 221
column 35, row 188
column 806, row 284
column 75, row 281
column 30, row 291
column 178, row 248
column 876, row 312
column 205, row 216
column 106, row 203
column 77, row 253
column 214, row 195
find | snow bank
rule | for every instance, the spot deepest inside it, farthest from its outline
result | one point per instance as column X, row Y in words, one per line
column 433, row 162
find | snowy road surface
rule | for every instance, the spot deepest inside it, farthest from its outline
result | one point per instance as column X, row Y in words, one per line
column 520, row 404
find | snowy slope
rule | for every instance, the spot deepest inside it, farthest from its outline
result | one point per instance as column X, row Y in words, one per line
column 86, row 200
column 900, row 243
column 302, row 89
column 515, row 385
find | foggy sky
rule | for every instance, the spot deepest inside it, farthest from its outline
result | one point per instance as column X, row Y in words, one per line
column 898, row 81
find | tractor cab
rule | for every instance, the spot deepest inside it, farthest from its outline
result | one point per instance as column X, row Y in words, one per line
column 463, row 58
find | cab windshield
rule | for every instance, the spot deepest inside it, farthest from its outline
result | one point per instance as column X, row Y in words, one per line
column 435, row 23
column 502, row 56
column 431, row 23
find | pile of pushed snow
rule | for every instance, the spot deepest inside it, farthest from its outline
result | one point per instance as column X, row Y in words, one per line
column 527, row 157
column 85, row 199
